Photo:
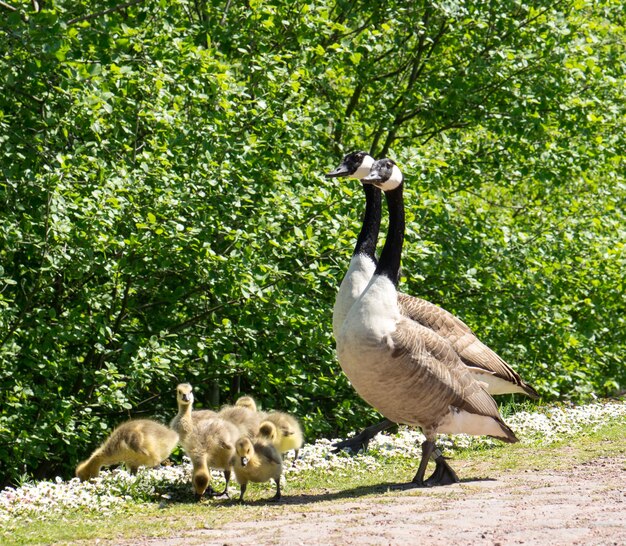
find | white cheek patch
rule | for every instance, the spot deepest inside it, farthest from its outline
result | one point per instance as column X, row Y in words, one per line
column 393, row 181
column 364, row 167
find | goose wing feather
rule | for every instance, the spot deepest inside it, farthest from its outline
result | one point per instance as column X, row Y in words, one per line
column 471, row 350
column 431, row 363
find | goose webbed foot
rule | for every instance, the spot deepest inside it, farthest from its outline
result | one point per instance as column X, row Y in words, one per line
column 443, row 474
column 361, row 441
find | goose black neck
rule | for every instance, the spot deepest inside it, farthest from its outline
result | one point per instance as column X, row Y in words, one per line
column 368, row 237
column 389, row 263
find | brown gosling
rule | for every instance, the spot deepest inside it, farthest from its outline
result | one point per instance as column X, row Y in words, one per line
column 289, row 433
column 257, row 461
column 211, row 445
column 186, row 418
column 139, row 442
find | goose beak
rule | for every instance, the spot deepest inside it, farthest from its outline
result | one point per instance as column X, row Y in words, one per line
column 244, row 461
column 342, row 170
column 373, row 177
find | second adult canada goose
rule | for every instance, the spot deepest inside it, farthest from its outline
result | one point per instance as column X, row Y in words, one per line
column 406, row 371
column 139, row 442
column 256, row 461
column 288, row 432
column 483, row 363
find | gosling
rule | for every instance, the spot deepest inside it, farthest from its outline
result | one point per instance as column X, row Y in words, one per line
column 288, row 432
column 139, row 442
column 258, row 462
column 185, row 419
column 211, row 445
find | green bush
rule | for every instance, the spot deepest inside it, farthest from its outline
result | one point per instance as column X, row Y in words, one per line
column 164, row 217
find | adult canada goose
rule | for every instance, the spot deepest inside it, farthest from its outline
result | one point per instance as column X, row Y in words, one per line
column 139, row 442
column 288, row 432
column 211, row 445
column 184, row 421
column 406, row 371
column 483, row 363
column 257, row 461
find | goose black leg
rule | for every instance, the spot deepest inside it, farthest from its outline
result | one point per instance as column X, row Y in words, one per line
column 361, row 440
column 443, row 474
column 427, row 450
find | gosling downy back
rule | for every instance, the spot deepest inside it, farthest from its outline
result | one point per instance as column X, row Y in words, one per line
column 139, row 442
column 244, row 418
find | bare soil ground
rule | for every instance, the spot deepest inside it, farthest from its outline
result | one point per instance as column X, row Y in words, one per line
column 585, row 505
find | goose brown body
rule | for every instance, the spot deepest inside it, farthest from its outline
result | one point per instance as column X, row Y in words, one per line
column 139, row 442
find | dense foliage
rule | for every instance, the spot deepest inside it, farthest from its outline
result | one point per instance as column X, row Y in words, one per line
column 164, row 217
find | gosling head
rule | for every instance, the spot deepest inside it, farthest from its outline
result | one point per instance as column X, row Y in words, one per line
column 267, row 430
column 384, row 174
column 246, row 402
column 354, row 165
column 244, row 450
column 184, row 394
column 201, row 482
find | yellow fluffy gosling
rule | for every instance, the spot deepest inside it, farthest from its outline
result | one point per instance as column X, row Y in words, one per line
column 289, row 433
column 246, row 402
column 139, row 442
column 256, row 461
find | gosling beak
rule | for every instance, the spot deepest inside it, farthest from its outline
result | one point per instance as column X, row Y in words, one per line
column 342, row 170
column 244, row 461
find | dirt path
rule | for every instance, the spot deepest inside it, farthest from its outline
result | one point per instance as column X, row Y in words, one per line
column 585, row 505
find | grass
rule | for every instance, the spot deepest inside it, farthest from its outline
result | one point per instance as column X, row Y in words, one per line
column 174, row 513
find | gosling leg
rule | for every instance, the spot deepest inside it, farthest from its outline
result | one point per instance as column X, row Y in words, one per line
column 242, row 491
column 277, row 496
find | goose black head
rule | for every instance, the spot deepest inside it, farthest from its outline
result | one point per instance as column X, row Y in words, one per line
column 354, row 165
column 384, row 174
